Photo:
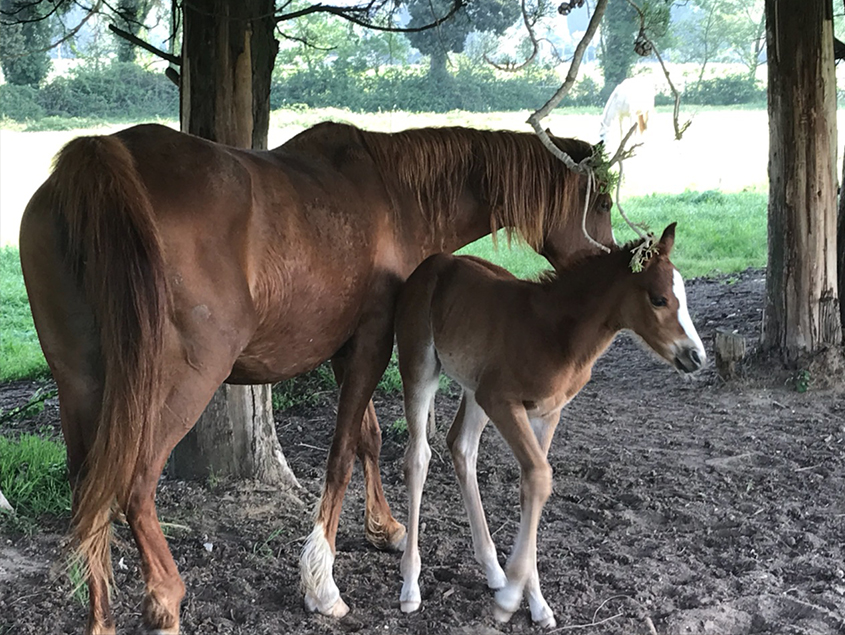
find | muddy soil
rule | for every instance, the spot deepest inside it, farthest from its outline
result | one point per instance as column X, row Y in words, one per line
column 680, row 505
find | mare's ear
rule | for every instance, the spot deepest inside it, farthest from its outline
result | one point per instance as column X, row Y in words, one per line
column 667, row 240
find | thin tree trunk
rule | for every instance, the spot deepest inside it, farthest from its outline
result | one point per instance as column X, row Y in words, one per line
column 228, row 54
column 802, row 306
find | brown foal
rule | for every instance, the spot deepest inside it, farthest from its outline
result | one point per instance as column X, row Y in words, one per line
column 521, row 350
column 159, row 265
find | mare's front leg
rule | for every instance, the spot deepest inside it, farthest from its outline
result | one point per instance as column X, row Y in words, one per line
column 368, row 354
column 463, row 440
column 535, row 487
column 382, row 529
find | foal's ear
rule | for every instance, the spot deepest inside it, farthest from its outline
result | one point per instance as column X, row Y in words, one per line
column 667, row 240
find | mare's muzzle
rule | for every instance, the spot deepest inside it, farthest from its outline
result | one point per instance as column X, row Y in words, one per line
column 689, row 358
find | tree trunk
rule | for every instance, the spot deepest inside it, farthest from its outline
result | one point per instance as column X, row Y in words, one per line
column 437, row 66
column 802, row 306
column 228, row 52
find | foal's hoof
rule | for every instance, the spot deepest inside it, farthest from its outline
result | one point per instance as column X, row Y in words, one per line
column 501, row 615
column 410, row 606
column 336, row 609
column 546, row 622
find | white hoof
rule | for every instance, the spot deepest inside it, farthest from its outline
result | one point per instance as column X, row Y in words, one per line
column 409, row 606
column 336, row 609
column 496, row 578
column 500, row 614
column 546, row 622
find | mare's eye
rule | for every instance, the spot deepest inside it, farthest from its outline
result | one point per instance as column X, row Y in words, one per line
column 658, row 301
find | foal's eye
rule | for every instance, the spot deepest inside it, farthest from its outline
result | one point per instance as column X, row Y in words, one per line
column 658, row 301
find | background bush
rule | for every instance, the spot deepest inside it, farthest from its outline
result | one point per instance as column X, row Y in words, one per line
column 117, row 91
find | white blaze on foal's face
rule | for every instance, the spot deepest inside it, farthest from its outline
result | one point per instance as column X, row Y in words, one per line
column 689, row 352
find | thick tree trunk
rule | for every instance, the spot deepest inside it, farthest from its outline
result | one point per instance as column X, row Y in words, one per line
column 227, row 58
column 802, row 306
column 840, row 248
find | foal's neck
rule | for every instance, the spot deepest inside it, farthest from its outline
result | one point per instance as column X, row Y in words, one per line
column 585, row 301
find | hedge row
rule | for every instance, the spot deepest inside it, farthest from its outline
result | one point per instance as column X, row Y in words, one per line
column 126, row 91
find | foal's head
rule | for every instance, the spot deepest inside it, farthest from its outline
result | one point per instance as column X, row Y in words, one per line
column 656, row 309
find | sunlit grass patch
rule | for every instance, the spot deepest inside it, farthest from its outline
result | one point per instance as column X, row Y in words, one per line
column 33, row 477
column 20, row 352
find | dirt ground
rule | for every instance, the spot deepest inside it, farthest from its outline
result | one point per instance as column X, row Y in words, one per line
column 689, row 505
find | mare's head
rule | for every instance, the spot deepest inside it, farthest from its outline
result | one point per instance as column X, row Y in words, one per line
column 655, row 308
column 564, row 240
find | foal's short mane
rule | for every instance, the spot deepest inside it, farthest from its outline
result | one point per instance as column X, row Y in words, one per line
column 526, row 188
column 587, row 259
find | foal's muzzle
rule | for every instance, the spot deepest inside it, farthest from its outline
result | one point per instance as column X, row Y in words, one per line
column 690, row 358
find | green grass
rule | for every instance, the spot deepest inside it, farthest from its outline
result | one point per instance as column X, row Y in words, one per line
column 717, row 233
column 20, row 352
column 33, row 477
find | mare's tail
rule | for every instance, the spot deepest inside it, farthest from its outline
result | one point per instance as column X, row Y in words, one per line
column 115, row 253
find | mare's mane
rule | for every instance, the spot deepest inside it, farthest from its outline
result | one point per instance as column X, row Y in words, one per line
column 528, row 190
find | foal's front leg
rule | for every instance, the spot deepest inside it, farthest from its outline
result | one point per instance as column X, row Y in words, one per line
column 535, row 488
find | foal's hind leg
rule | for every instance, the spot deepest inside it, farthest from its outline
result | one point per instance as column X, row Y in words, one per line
column 382, row 529
column 463, row 439
column 420, row 375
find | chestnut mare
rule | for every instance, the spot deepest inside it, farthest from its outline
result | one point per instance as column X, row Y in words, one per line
column 159, row 265
column 520, row 350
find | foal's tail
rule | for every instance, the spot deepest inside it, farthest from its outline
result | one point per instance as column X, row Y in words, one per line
column 115, row 253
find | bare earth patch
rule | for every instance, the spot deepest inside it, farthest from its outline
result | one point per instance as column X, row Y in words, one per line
column 695, row 506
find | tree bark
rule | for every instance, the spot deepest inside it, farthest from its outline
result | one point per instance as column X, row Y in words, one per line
column 802, row 303
column 227, row 59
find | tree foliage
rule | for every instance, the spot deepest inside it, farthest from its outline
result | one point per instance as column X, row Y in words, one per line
column 24, row 40
column 492, row 16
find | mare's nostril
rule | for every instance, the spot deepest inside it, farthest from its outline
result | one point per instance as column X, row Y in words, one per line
column 694, row 356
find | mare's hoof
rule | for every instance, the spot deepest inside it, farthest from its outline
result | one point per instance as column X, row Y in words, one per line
column 410, row 606
column 389, row 539
column 336, row 609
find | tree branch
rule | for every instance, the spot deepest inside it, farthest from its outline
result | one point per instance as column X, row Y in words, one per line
column 543, row 112
column 679, row 129
column 126, row 35
column 348, row 13
column 535, row 46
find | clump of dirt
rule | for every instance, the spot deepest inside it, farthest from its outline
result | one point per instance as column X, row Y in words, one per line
column 686, row 505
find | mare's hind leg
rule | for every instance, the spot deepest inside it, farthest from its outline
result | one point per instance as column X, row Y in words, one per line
column 368, row 353
column 382, row 529
column 463, row 439
column 420, row 374
column 190, row 393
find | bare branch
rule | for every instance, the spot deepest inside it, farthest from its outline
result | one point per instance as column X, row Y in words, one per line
column 649, row 47
column 535, row 46
column 349, row 13
column 543, row 112
column 68, row 35
column 126, row 35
